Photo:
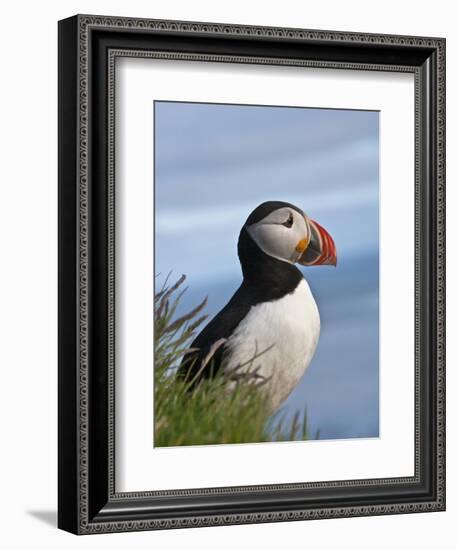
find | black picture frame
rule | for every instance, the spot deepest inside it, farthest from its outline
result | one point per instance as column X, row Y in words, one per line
column 87, row 500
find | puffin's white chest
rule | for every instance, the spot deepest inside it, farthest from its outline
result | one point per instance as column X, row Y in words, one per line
column 290, row 327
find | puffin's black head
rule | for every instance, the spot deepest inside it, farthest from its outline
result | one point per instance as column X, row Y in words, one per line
column 284, row 232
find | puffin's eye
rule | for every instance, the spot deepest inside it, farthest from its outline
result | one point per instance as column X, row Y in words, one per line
column 289, row 222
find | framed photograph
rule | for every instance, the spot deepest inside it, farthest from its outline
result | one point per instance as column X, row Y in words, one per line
column 251, row 274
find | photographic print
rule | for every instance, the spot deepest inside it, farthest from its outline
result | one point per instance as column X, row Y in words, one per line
column 251, row 274
column 267, row 273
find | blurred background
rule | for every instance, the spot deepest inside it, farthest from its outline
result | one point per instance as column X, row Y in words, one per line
column 214, row 164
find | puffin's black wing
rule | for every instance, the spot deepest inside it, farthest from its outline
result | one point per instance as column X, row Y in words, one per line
column 221, row 326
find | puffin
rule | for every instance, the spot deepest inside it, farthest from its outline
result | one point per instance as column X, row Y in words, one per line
column 271, row 325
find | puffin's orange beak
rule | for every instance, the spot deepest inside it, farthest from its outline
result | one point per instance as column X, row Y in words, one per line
column 320, row 249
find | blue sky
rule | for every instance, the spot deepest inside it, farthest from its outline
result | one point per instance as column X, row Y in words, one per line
column 215, row 163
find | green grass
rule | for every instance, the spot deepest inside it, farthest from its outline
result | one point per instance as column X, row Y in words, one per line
column 211, row 413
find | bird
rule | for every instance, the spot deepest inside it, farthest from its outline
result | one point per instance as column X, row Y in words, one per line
column 271, row 325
